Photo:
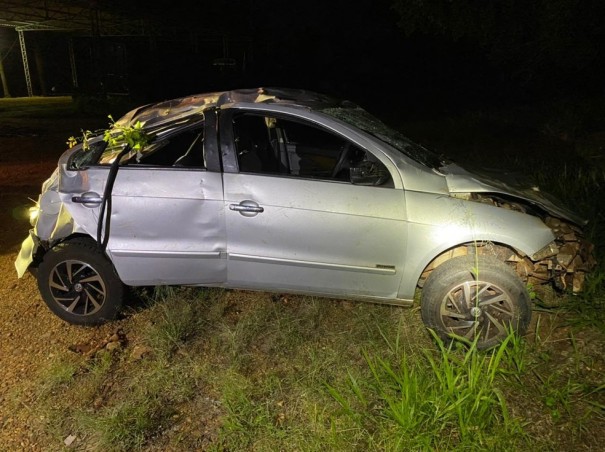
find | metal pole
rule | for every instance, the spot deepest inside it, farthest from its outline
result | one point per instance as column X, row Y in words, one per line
column 72, row 63
column 28, row 79
column 3, row 77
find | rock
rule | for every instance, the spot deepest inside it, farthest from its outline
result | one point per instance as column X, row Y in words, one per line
column 140, row 351
column 69, row 440
column 82, row 348
column 112, row 346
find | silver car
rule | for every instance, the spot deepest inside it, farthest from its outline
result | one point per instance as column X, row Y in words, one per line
column 293, row 191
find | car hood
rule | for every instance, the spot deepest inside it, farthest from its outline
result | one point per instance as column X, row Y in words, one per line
column 485, row 180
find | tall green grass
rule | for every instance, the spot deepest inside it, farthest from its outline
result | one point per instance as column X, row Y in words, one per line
column 437, row 400
column 231, row 370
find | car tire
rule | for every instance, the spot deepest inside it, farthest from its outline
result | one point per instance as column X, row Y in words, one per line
column 449, row 301
column 79, row 283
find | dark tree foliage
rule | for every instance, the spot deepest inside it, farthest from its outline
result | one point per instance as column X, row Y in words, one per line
column 555, row 44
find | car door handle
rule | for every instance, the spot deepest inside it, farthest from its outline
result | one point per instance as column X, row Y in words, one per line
column 240, row 208
column 247, row 208
column 88, row 199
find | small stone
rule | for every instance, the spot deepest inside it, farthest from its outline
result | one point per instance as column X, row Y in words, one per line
column 112, row 346
column 140, row 351
column 69, row 440
column 80, row 348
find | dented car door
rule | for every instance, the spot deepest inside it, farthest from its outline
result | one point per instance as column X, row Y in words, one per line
column 166, row 224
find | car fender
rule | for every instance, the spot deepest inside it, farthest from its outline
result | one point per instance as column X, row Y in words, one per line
column 54, row 218
column 438, row 223
column 50, row 228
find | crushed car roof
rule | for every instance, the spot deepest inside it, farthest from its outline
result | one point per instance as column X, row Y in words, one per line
column 171, row 110
column 182, row 110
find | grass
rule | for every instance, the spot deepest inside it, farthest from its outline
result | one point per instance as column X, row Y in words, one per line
column 231, row 370
column 437, row 400
column 39, row 107
column 11, row 105
column 236, row 370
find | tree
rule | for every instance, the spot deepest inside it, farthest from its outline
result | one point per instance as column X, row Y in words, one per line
column 553, row 43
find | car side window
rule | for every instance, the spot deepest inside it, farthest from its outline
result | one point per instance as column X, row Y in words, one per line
column 270, row 145
column 184, row 149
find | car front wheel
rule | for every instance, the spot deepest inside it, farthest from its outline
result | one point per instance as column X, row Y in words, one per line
column 475, row 297
column 79, row 284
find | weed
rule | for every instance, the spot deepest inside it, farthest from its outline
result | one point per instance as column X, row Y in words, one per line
column 59, row 373
column 177, row 323
column 127, row 425
column 445, row 399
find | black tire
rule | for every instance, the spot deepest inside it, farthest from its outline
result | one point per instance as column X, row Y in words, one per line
column 456, row 302
column 79, row 284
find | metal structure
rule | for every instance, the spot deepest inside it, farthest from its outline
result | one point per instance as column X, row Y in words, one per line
column 91, row 18
column 71, row 16
column 28, row 79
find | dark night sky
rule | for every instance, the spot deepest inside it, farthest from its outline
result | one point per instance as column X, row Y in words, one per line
column 430, row 54
column 433, row 53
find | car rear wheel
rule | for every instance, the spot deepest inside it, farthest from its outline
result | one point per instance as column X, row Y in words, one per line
column 475, row 297
column 79, row 284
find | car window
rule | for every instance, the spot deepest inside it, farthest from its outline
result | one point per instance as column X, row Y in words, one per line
column 180, row 149
column 273, row 145
column 360, row 118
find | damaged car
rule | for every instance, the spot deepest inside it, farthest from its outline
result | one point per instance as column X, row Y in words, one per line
column 294, row 191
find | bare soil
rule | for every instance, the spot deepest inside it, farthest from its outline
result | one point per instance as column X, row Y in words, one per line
column 29, row 334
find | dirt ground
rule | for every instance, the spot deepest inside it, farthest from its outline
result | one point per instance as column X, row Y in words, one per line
column 29, row 334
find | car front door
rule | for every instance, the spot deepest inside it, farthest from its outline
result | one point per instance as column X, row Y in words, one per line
column 295, row 222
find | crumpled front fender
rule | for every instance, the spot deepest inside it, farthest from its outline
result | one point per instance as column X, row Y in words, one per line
column 52, row 225
column 26, row 254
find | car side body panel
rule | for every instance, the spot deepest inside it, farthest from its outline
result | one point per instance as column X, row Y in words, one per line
column 315, row 236
column 166, row 227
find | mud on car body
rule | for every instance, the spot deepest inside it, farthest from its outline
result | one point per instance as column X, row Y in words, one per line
column 294, row 191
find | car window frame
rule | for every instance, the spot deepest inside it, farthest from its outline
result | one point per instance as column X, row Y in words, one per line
column 159, row 138
column 229, row 152
column 211, row 154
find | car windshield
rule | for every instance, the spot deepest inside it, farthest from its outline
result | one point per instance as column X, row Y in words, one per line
column 360, row 118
